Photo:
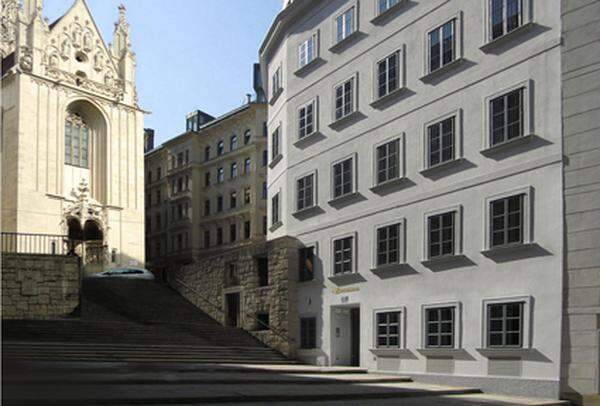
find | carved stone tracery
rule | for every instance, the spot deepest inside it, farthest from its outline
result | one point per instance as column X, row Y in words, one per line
column 84, row 208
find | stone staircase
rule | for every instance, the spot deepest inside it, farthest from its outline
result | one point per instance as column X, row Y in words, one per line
column 133, row 320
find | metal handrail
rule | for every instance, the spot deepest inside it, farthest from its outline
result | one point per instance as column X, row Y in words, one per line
column 29, row 243
column 279, row 334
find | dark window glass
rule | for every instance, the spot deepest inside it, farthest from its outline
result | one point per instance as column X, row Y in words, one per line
column 505, row 325
column 440, row 327
column 388, row 329
column 387, row 75
column 506, row 221
column 343, row 178
column 388, row 161
column 263, row 271
column 506, row 16
column 307, row 263
column 342, row 255
column 441, row 234
column 308, row 332
column 506, row 117
column 305, row 192
column 441, row 142
column 388, row 245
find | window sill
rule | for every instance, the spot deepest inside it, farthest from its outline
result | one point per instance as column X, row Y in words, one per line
column 383, row 99
column 341, row 121
column 346, row 277
column 515, row 142
column 275, row 161
column 341, row 45
column 390, row 352
column 306, row 211
column 508, row 249
column 506, row 37
column 505, row 352
column 379, row 18
column 440, row 352
column 441, row 167
column 308, row 67
column 387, row 184
column 440, row 71
column 342, row 199
column 276, row 96
column 306, row 139
column 275, row 226
column 444, row 259
column 389, row 267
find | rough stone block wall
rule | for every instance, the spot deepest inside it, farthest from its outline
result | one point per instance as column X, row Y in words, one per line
column 581, row 128
column 208, row 279
column 39, row 286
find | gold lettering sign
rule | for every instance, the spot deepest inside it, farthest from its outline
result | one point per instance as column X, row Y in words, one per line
column 337, row 291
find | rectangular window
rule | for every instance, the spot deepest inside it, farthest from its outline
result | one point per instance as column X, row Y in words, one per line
column 263, row 271
column 505, row 325
column 207, row 179
column 441, row 142
column 265, row 157
column 219, row 204
column 275, row 144
column 505, row 16
column 307, row 51
column 220, row 175
column 388, row 330
column 247, row 229
column 506, row 221
column 441, row 235
column 264, row 225
column 506, row 117
column 343, row 178
column 345, row 24
column 308, row 333
column 442, row 45
column 264, row 190
column 263, row 321
column 305, row 192
column 343, row 255
column 207, row 207
column 388, row 74
column 439, row 327
column 232, row 233
column 247, row 165
column 233, row 200
column 219, row 236
column 247, row 195
column 385, row 5
column 206, row 238
column 306, row 119
column 307, row 264
column 388, row 245
column 275, row 209
column 276, row 82
column 234, row 170
column 207, row 153
column 388, row 161
column 344, row 99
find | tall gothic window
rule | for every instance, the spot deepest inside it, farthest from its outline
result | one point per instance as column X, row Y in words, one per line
column 77, row 139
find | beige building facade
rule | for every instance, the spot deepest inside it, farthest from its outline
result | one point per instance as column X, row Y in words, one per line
column 72, row 131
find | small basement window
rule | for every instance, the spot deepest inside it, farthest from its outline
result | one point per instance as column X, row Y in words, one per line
column 262, row 321
column 263, row 271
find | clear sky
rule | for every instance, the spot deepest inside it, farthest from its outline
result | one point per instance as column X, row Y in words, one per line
column 191, row 54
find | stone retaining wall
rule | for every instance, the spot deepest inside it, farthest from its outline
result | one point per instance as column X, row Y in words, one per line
column 208, row 277
column 39, row 286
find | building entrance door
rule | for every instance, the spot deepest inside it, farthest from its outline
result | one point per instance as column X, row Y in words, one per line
column 233, row 309
column 355, row 336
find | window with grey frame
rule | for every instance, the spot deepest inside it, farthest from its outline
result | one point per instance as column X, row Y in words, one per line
column 388, row 329
column 441, row 233
column 506, row 221
column 308, row 333
column 440, row 325
column 343, row 178
column 442, row 45
column 388, row 245
column 388, row 74
column 306, row 119
column 275, row 144
column 233, row 142
column 247, row 164
column 77, row 139
column 345, row 24
column 344, row 99
column 441, row 142
column 507, row 117
column 220, row 148
column 307, row 51
column 505, row 16
column 220, row 175
column 505, row 324
column 276, row 82
column 343, row 255
column 388, row 161
column 306, row 266
column 385, row 5
column 275, row 209
column 234, row 170
column 305, row 192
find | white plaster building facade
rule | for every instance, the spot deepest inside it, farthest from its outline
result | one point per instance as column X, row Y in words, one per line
column 72, row 131
column 416, row 152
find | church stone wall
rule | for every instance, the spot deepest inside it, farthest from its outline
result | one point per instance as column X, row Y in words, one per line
column 208, row 279
column 39, row 286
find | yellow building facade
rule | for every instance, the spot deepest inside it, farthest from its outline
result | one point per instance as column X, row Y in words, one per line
column 72, row 131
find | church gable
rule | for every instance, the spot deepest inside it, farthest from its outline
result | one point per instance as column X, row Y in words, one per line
column 75, row 52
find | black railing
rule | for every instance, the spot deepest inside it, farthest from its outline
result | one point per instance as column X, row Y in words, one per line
column 42, row 244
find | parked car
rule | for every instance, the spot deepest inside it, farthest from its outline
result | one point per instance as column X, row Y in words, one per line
column 130, row 273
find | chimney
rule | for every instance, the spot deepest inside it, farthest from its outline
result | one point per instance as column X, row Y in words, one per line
column 148, row 139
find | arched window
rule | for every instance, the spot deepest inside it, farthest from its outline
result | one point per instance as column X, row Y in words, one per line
column 247, row 137
column 206, row 153
column 233, row 143
column 234, row 170
column 220, row 148
column 247, row 164
column 77, row 140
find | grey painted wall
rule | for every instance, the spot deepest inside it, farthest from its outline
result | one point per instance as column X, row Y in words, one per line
column 581, row 124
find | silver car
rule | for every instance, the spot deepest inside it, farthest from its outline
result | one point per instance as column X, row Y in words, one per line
column 130, row 273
